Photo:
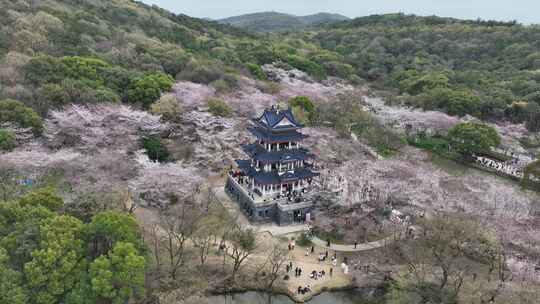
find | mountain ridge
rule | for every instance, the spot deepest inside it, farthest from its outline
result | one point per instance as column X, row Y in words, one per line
column 278, row 22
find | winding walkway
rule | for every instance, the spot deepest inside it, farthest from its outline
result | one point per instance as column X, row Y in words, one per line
column 350, row 248
column 277, row 230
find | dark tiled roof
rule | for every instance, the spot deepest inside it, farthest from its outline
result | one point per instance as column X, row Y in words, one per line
column 285, row 136
column 257, row 152
column 272, row 117
column 273, row 178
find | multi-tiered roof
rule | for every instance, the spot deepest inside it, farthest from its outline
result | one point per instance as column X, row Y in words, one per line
column 276, row 158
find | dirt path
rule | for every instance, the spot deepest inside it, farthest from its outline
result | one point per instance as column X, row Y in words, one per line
column 338, row 279
column 352, row 248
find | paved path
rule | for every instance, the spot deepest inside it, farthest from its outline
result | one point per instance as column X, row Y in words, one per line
column 350, row 248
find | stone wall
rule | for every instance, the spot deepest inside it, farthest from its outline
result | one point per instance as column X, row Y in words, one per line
column 260, row 214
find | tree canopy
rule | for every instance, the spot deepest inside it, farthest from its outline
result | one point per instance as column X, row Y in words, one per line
column 470, row 138
column 47, row 257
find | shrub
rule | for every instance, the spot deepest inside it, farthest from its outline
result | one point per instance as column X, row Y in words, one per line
column 307, row 66
column 462, row 103
column 148, row 89
column 53, row 95
column 226, row 84
column 44, row 69
column 269, row 87
column 201, row 72
column 155, row 149
column 256, row 71
column 15, row 112
column 303, row 109
column 7, row 140
column 469, row 138
column 219, row 108
column 168, row 107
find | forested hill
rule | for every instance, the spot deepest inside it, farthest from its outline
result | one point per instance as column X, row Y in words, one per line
column 488, row 69
column 60, row 52
column 279, row 22
column 54, row 53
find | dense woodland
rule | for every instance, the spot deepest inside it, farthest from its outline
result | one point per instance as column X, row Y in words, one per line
column 486, row 69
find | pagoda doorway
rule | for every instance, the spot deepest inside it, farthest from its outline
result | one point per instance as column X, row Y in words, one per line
column 299, row 216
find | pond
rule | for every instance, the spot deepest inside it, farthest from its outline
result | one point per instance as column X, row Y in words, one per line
column 254, row 297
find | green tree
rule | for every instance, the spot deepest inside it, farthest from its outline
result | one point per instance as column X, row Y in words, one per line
column 77, row 67
column 46, row 197
column 7, row 140
column 219, row 108
column 463, row 102
column 20, row 230
column 44, row 69
column 12, row 290
column 243, row 243
column 108, row 228
column 12, row 111
column 155, row 149
column 468, row 138
column 118, row 276
column 305, row 104
column 148, row 89
column 532, row 113
column 168, row 107
column 57, row 264
column 416, row 84
column 256, row 71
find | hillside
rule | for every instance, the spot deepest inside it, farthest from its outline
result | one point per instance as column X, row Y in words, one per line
column 487, row 69
column 279, row 22
column 121, row 123
column 45, row 45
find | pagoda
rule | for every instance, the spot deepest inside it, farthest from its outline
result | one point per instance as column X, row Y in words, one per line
column 274, row 184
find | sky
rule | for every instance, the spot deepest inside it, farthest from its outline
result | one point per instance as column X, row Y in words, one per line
column 524, row 11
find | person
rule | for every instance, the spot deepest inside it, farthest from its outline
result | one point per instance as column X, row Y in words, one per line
column 355, row 244
column 300, row 289
column 290, row 264
column 290, row 247
column 327, row 242
column 287, row 268
column 299, row 271
column 326, row 254
column 312, row 248
column 331, row 271
column 323, row 273
column 307, row 252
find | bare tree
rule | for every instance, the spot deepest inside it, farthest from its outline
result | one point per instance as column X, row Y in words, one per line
column 180, row 223
column 242, row 244
column 451, row 251
column 273, row 265
column 208, row 227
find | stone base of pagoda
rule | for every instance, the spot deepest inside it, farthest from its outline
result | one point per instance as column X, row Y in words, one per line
column 264, row 210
